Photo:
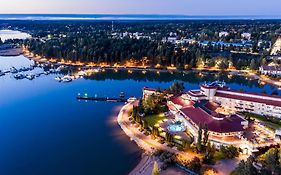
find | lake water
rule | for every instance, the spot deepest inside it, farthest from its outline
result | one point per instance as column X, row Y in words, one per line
column 125, row 17
column 12, row 34
column 45, row 130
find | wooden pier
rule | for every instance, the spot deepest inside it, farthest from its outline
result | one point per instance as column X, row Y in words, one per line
column 106, row 99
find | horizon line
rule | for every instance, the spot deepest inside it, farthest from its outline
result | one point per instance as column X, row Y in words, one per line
column 108, row 16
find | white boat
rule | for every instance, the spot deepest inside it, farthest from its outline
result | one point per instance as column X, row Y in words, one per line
column 30, row 76
column 58, row 79
column 13, row 70
column 82, row 73
column 60, row 68
column 96, row 70
column 19, row 76
column 66, row 79
column 131, row 99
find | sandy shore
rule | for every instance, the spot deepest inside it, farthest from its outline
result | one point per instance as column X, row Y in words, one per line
column 146, row 162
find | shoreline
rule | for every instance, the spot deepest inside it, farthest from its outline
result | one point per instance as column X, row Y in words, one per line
column 244, row 73
column 123, row 67
column 147, row 144
column 145, row 157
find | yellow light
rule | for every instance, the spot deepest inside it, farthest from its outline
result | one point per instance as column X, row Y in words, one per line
column 157, row 66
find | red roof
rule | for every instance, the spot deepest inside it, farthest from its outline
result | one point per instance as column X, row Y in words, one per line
column 226, row 125
column 195, row 94
column 149, row 89
column 250, row 99
column 212, row 106
column 180, row 101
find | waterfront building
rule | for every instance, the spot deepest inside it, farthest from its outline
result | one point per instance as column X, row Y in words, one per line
column 217, row 106
column 238, row 101
column 270, row 70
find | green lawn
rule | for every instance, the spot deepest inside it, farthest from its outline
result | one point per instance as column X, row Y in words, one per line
column 154, row 119
column 274, row 125
column 271, row 124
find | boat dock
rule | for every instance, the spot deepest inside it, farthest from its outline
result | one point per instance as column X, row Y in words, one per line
column 121, row 98
column 106, row 99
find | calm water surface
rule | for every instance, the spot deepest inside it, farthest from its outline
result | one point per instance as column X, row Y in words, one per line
column 44, row 130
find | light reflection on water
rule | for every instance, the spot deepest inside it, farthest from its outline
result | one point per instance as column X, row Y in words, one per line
column 45, row 130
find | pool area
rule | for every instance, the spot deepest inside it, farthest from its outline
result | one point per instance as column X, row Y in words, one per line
column 176, row 127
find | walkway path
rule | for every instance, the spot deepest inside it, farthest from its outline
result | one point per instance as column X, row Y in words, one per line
column 143, row 141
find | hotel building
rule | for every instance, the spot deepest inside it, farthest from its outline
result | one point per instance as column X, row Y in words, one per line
column 216, row 106
column 238, row 101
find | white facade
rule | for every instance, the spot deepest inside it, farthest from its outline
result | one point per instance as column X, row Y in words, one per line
column 250, row 106
column 223, row 34
column 270, row 70
column 246, row 36
column 240, row 101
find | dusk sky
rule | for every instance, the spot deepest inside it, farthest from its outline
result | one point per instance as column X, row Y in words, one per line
column 185, row 7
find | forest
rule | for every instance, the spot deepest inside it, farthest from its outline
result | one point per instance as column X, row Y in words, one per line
column 108, row 42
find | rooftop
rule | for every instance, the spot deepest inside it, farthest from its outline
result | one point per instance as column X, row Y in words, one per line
column 241, row 96
column 178, row 100
column 228, row 124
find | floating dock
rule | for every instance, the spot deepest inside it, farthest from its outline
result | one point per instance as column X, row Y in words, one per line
column 106, row 99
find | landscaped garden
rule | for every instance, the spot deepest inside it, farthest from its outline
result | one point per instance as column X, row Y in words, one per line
column 272, row 122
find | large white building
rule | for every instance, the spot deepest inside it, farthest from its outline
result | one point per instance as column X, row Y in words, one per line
column 216, row 106
column 269, row 105
column 270, row 70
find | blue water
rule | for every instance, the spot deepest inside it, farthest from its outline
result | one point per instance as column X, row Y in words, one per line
column 44, row 130
column 124, row 17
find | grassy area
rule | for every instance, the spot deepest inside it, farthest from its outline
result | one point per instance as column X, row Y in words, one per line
column 154, row 119
column 268, row 121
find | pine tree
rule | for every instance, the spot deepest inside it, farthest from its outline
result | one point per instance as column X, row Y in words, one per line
column 253, row 65
column 206, row 135
column 199, row 141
